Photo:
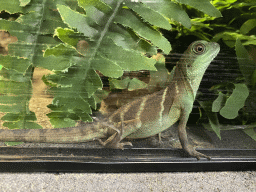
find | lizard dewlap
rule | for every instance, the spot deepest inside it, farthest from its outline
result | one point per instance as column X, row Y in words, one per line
column 143, row 117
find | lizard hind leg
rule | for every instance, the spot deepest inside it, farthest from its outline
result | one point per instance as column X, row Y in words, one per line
column 114, row 141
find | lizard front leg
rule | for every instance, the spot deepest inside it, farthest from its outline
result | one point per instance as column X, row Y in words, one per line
column 184, row 139
column 125, row 128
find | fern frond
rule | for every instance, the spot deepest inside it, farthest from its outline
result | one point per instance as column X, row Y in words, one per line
column 31, row 30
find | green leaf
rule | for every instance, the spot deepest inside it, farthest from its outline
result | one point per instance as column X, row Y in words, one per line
column 131, row 84
column 119, row 84
column 143, row 29
column 11, row 6
column 230, row 38
column 23, row 3
column 246, row 63
column 12, row 107
column 16, row 63
column 107, row 67
column 136, row 84
column 251, row 133
column 92, row 102
column 219, row 102
column 68, row 36
column 31, row 116
column 93, row 82
column 159, row 77
column 60, row 50
column 11, row 117
column 223, row 4
column 73, row 103
column 72, row 98
column 51, row 19
column 19, row 116
column 128, row 60
column 32, row 125
column 100, row 95
column 84, row 116
column 15, row 88
column 127, row 39
column 235, row 102
column 60, row 120
column 178, row 14
column 213, row 118
column 13, row 143
column 100, row 5
column 151, row 16
column 204, row 6
column 14, row 29
column 14, row 99
column 78, row 21
column 53, row 63
column 21, row 123
column 170, row 10
column 247, row 26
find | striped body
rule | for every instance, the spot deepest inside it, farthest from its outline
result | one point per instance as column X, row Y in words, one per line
column 152, row 112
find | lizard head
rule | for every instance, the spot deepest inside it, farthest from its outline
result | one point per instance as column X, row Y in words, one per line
column 196, row 59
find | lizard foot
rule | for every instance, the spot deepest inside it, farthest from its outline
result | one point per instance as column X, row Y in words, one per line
column 192, row 152
column 114, row 140
column 160, row 139
column 114, row 145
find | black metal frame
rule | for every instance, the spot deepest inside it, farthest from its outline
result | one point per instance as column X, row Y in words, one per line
column 15, row 159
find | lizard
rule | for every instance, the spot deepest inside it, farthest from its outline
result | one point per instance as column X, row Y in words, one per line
column 143, row 117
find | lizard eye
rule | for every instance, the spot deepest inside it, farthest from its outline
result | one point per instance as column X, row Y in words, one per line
column 199, row 48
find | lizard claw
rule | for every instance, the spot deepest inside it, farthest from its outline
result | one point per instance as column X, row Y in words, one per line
column 115, row 143
column 100, row 141
column 121, row 145
column 192, row 152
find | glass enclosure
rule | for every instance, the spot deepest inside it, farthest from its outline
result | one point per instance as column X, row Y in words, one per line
column 118, row 74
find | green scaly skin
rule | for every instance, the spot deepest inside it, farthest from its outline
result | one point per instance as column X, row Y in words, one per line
column 143, row 117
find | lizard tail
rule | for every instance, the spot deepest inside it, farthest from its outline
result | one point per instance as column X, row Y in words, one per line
column 58, row 135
